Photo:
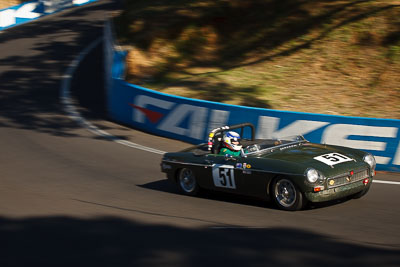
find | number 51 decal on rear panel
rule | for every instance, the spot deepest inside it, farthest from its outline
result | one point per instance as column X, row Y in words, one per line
column 224, row 176
column 333, row 158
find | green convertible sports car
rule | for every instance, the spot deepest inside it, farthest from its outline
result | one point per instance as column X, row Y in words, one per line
column 291, row 171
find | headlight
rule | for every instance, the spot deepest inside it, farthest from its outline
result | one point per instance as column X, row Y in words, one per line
column 312, row 175
column 371, row 161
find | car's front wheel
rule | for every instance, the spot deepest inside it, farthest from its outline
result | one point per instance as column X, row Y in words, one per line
column 286, row 194
column 187, row 182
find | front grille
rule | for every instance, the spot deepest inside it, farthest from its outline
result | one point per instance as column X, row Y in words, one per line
column 346, row 178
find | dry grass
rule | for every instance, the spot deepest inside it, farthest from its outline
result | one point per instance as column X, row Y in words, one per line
column 9, row 3
column 331, row 57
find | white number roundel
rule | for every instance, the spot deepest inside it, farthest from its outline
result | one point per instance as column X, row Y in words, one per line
column 223, row 176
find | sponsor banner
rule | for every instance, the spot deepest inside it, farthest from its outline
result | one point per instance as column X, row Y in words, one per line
column 51, row 6
column 20, row 14
column 191, row 120
column 32, row 10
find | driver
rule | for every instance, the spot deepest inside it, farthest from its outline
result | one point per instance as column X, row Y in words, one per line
column 231, row 144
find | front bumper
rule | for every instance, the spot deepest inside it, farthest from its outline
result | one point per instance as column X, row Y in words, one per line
column 338, row 192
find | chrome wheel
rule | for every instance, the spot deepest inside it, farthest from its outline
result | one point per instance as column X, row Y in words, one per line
column 285, row 193
column 187, row 181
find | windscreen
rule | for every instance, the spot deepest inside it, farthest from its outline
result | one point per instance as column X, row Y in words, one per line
column 271, row 144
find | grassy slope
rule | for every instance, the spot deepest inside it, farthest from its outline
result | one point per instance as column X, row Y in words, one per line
column 321, row 56
column 9, row 3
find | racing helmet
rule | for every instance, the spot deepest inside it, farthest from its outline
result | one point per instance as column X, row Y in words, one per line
column 232, row 141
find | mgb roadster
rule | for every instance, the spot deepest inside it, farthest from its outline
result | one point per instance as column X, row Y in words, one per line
column 290, row 171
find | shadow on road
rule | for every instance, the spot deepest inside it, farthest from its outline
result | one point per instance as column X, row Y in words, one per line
column 110, row 241
column 33, row 59
column 166, row 186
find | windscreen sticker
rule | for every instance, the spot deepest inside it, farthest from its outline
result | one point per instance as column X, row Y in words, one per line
column 333, row 158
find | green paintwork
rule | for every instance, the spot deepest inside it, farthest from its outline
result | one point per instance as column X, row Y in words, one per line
column 289, row 161
column 336, row 193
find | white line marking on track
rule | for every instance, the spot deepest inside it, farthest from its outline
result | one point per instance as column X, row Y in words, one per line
column 69, row 108
column 386, row 182
column 237, row 227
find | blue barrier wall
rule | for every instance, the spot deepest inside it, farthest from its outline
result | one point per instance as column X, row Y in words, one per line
column 191, row 120
column 32, row 10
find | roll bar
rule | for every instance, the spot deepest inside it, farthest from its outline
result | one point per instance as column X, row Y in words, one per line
column 216, row 132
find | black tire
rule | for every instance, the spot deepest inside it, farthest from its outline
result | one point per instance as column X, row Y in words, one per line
column 287, row 195
column 187, row 182
column 361, row 193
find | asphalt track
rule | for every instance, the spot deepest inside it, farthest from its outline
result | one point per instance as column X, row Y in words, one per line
column 71, row 198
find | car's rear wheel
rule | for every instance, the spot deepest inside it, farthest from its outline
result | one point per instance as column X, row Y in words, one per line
column 286, row 194
column 187, row 182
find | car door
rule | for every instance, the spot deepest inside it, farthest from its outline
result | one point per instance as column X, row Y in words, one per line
column 226, row 174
